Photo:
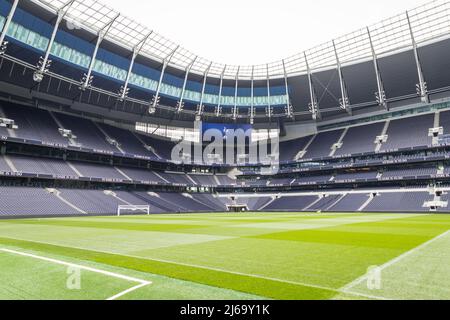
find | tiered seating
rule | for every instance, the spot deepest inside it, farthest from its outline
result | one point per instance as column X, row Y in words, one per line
column 142, row 175
column 162, row 148
column 35, row 124
column 404, row 173
column 3, row 165
column 92, row 170
column 291, row 203
column 184, row 203
column 210, row 201
column 445, row 121
column 356, row 176
column 360, row 139
column 325, row 203
column 157, row 205
column 128, row 142
column 281, row 182
column 88, row 135
column 225, row 180
column 42, row 166
column 253, row 203
column 399, row 202
column 290, row 149
column 322, row 143
column 177, row 178
column 129, row 198
column 203, row 179
column 92, row 201
column 350, row 203
column 313, row 179
column 409, row 132
column 23, row 202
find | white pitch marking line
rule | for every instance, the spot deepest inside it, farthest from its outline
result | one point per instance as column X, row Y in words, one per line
column 354, row 283
column 142, row 283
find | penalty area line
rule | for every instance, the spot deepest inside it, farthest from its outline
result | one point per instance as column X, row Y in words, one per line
column 141, row 283
column 348, row 288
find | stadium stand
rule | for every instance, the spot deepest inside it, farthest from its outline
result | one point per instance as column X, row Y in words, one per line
column 19, row 201
column 350, row 203
column 360, row 139
column 69, row 149
column 322, row 144
column 291, row 203
column 88, row 135
column 399, row 202
column 409, row 132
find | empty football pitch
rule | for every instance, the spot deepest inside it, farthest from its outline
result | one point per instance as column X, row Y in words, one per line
column 223, row 256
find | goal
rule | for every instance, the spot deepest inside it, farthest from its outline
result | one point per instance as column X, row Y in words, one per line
column 132, row 210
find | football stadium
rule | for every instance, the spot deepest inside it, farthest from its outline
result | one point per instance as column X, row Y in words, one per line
column 134, row 169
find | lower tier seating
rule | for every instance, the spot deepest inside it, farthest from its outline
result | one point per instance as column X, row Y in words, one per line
column 40, row 202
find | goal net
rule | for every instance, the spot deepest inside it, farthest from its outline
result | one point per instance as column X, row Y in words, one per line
column 132, row 210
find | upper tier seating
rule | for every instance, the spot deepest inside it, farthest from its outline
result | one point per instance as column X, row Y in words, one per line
column 322, row 143
column 290, row 149
column 409, row 132
column 87, row 133
column 360, row 139
column 128, row 142
column 42, row 166
column 34, row 124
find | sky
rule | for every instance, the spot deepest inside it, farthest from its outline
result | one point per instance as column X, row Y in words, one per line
column 247, row 32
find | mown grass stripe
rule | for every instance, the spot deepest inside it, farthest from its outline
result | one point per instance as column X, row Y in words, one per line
column 254, row 285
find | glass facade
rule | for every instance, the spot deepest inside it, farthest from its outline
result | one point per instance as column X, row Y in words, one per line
column 76, row 56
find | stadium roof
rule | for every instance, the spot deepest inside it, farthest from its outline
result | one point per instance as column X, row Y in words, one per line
column 429, row 23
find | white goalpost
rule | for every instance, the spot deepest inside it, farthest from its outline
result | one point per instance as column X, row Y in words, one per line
column 132, row 210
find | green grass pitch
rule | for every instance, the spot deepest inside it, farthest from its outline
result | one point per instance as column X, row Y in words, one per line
column 227, row 256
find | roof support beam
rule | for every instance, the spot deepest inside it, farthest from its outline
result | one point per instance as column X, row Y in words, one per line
column 219, row 103
column 252, row 98
column 235, row 108
column 314, row 105
column 3, row 43
column 422, row 88
column 381, row 94
column 86, row 82
column 269, row 107
column 188, row 70
column 289, row 111
column 44, row 62
column 200, row 107
column 136, row 50
column 156, row 97
column 344, row 102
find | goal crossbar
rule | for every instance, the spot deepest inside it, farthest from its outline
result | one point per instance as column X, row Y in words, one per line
column 133, row 208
